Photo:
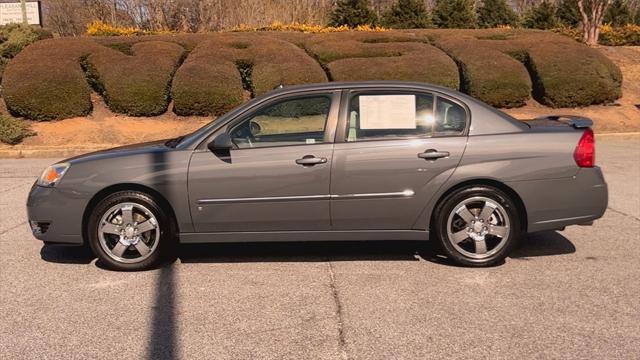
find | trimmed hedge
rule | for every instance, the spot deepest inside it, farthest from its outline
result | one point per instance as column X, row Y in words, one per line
column 503, row 67
column 15, row 37
column 488, row 74
column 565, row 73
column 136, row 85
column 219, row 70
column 382, row 56
column 45, row 80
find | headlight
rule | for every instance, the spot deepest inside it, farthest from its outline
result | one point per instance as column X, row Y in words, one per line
column 53, row 174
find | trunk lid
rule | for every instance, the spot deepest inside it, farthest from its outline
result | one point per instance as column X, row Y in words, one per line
column 576, row 122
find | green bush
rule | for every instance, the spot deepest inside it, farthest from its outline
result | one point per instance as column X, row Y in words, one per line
column 493, row 13
column 382, row 56
column 495, row 77
column 541, row 16
column 455, row 14
column 45, row 80
column 565, row 73
column 586, row 77
column 136, row 85
column 352, row 13
column 211, row 79
column 618, row 14
column 567, row 13
column 13, row 130
column 14, row 37
column 407, row 14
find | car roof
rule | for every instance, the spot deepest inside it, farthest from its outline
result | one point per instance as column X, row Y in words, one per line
column 338, row 85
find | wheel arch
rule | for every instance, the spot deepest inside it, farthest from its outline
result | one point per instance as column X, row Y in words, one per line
column 102, row 194
column 513, row 195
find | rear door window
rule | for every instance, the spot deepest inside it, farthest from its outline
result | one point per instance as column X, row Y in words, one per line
column 403, row 115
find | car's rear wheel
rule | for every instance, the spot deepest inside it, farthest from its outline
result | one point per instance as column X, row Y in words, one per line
column 128, row 230
column 477, row 225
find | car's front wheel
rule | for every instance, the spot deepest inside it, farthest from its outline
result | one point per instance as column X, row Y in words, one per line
column 128, row 230
column 477, row 225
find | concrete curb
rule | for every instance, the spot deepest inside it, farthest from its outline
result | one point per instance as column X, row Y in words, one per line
column 49, row 151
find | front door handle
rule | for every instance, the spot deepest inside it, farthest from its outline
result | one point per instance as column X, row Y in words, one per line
column 433, row 154
column 310, row 160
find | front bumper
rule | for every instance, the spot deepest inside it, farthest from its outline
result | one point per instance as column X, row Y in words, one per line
column 55, row 215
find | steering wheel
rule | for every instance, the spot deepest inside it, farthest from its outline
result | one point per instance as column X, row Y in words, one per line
column 244, row 132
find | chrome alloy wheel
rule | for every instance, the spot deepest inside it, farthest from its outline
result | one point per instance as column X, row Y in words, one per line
column 129, row 232
column 478, row 227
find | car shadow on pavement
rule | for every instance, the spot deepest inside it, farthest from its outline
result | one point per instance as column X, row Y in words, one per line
column 301, row 252
column 546, row 243
column 64, row 254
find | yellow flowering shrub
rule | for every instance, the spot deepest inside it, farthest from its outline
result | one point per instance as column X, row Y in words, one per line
column 99, row 28
column 628, row 35
column 306, row 28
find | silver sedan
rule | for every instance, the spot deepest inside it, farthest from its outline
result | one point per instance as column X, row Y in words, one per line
column 333, row 161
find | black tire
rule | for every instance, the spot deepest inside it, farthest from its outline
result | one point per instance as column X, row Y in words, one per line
column 165, row 243
column 503, row 246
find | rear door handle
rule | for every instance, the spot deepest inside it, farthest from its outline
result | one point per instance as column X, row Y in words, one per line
column 433, row 154
column 310, row 160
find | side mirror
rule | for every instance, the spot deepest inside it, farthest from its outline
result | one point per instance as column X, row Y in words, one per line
column 221, row 143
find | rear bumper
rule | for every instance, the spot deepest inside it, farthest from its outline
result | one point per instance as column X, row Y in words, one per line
column 556, row 203
column 55, row 216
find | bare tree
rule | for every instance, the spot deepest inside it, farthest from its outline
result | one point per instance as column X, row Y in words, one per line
column 592, row 19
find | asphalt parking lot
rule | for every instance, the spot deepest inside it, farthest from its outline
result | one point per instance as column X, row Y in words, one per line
column 568, row 294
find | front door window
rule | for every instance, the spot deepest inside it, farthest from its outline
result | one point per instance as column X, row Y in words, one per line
column 290, row 122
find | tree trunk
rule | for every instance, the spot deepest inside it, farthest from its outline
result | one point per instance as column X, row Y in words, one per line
column 591, row 22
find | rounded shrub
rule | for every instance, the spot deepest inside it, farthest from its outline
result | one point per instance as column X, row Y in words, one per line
column 45, row 80
column 565, row 73
column 223, row 70
column 136, row 84
column 493, row 77
column 382, row 56
column 51, row 78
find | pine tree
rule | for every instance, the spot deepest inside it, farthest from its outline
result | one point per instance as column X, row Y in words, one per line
column 493, row 13
column 352, row 13
column 541, row 16
column 618, row 13
column 407, row 14
column 455, row 14
column 568, row 13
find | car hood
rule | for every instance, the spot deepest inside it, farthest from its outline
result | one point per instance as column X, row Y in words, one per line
column 120, row 151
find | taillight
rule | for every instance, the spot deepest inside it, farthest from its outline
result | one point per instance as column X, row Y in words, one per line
column 585, row 154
